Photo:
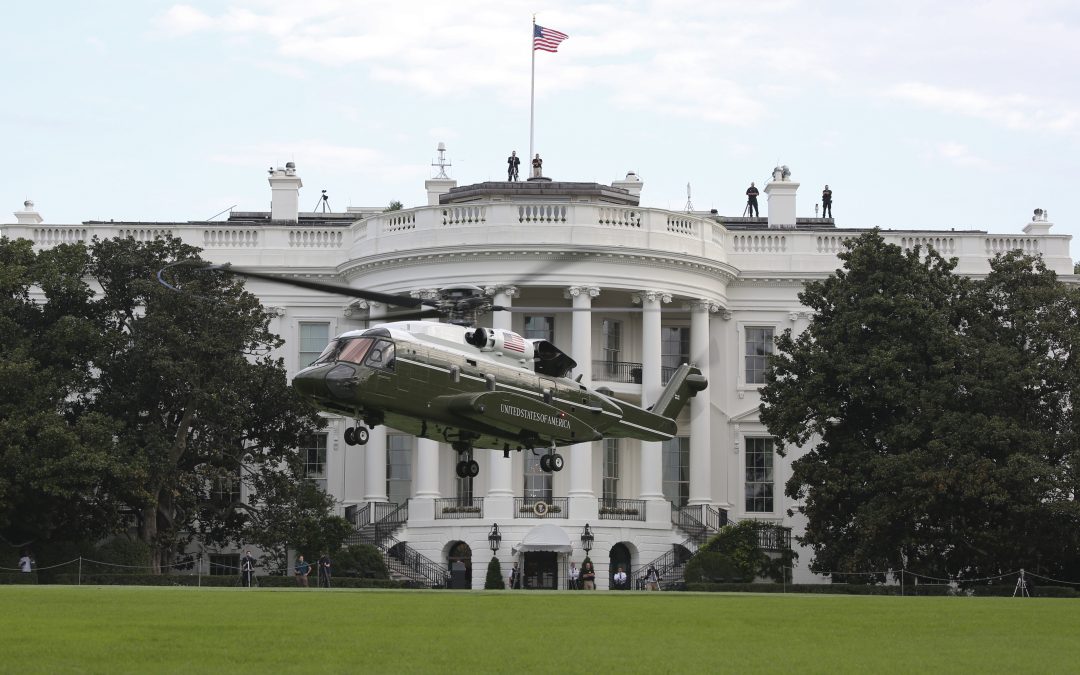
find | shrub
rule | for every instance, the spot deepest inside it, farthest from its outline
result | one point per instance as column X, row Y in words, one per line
column 710, row 566
column 494, row 580
column 361, row 560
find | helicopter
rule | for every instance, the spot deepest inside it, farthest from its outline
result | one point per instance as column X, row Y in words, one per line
column 468, row 386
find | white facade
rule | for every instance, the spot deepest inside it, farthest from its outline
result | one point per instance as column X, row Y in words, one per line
column 660, row 287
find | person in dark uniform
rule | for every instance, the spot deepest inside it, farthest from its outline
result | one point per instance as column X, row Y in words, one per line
column 247, row 569
column 324, row 571
column 512, row 164
column 515, row 577
column 751, row 201
column 826, row 203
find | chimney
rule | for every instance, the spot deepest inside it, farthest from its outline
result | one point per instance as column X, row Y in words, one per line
column 781, row 195
column 285, row 193
column 28, row 216
column 631, row 184
column 1039, row 223
column 441, row 183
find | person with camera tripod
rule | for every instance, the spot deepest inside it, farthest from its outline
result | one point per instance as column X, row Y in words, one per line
column 247, row 569
column 751, row 201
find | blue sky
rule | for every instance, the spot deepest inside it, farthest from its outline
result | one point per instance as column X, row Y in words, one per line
column 923, row 115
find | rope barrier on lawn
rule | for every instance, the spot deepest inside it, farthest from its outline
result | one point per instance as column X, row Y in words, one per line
column 964, row 579
column 1056, row 581
column 36, row 568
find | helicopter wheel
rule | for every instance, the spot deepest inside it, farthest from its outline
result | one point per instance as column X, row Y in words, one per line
column 556, row 462
column 350, row 436
column 360, row 435
column 545, row 463
column 472, row 468
column 462, row 469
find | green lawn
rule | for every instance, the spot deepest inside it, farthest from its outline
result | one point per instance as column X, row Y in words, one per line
column 59, row 629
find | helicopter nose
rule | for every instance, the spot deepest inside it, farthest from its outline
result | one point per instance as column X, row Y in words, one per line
column 311, row 382
column 342, row 381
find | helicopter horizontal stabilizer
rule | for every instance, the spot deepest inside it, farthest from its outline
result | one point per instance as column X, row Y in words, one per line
column 685, row 383
column 520, row 415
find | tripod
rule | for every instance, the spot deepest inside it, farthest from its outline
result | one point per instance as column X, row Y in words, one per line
column 1021, row 586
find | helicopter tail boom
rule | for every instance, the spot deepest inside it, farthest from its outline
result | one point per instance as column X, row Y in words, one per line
column 684, row 385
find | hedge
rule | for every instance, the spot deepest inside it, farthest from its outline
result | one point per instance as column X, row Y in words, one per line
column 18, row 578
column 863, row 589
column 217, row 581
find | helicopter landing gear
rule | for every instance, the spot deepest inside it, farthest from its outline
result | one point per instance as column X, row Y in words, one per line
column 468, row 468
column 552, row 462
column 356, row 435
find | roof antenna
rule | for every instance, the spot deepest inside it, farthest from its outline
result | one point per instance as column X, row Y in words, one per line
column 689, row 204
column 442, row 163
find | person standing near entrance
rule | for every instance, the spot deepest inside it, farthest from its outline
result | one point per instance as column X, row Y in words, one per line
column 515, row 577
column 573, row 577
column 588, row 576
column 302, row 570
column 652, row 579
column 620, row 580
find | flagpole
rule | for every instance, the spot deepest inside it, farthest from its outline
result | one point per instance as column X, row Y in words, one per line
column 532, row 92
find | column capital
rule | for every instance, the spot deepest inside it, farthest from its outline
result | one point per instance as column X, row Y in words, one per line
column 509, row 290
column 577, row 291
column 724, row 314
column 641, row 297
column 276, row 311
column 707, row 305
column 795, row 315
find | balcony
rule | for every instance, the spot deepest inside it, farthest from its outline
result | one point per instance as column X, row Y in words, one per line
column 459, row 509
column 536, row 507
column 622, row 509
column 625, row 371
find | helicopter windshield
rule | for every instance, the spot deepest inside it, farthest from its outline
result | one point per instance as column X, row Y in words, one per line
column 329, row 353
column 355, row 350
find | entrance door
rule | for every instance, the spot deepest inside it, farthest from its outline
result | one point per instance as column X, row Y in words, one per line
column 619, row 558
column 460, row 564
column 542, row 570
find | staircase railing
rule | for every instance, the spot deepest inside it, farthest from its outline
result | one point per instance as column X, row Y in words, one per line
column 409, row 562
column 376, row 524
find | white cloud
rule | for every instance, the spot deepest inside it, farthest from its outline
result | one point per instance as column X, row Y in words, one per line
column 184, row 19
column 960, row 155
column 1015, row 111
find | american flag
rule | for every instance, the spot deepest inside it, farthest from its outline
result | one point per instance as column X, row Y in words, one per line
column 513, row 342
column 546, row 39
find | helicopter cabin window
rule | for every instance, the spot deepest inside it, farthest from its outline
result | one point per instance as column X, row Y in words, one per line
column 381, row 355
column 540, row 328
column 313, row 452
column 759, row 345
column 538, row 482
column 674, row 349
column 676, row 454
column 355, row 350
column 314, row 337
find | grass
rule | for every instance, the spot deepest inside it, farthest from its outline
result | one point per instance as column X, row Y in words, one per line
column 59, row 629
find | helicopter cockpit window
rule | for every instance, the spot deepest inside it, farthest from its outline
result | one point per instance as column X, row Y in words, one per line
column 355, row 350
column 329, row 354
column 381, row 355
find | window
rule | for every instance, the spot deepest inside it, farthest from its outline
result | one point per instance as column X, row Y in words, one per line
column 611, row 337
column 537, row 482
column 759, row 475
column 313, row 453
column 398, row 467
column 759, row 345
column 674, row 349
column 611, row 470
column 540, row 328
column 226, row 487
column 465, row 490
column 381, row 355
column 676, row 457
column 224, row 564
column 313, row 339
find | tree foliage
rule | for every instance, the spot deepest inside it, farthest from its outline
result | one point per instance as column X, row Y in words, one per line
column 938, row 411
column 494, row 579
column 123, row 402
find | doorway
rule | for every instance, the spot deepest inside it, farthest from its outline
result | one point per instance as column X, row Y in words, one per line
column 619, row 557
column 459, row 563
column 541, row 570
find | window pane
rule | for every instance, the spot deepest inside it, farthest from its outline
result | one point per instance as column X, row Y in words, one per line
column 398, row 467
column 313, row 339
column 676, row 459
column 611, row 470
column 540, row 328
column 759, row 475
column 674, row 349
column 759, row 345
column 313, row 453
column 537, row 482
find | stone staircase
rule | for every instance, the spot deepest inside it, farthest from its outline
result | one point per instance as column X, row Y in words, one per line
column 376, row 523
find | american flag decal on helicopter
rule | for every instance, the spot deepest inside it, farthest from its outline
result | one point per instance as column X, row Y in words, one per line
column 513, row 342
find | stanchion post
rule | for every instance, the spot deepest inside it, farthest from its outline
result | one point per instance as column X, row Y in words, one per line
column 80, row 570
column 199, row 566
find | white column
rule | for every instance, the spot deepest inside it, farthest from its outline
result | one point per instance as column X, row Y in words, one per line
column 700, row 431
column 583, row 503
column 375, row 450
column 427, row 468
column 651, row 466
column 499, row 503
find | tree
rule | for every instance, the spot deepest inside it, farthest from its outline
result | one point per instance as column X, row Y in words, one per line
column 937, row 411
column 147, row 402
column 395, row 205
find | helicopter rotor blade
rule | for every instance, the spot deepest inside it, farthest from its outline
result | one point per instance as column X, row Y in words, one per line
column 373, row 296
column 410, row 316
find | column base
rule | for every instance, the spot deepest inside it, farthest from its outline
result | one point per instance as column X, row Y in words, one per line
column 584, row 507
column 657, row 511
column 499, row 507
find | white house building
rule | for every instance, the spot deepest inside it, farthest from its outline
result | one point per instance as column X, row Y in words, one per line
column 653, row 289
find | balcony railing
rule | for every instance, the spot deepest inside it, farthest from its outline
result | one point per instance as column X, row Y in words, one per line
column 457, row 509
column 622, row 509
column 535, row 507
column 616, row 371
